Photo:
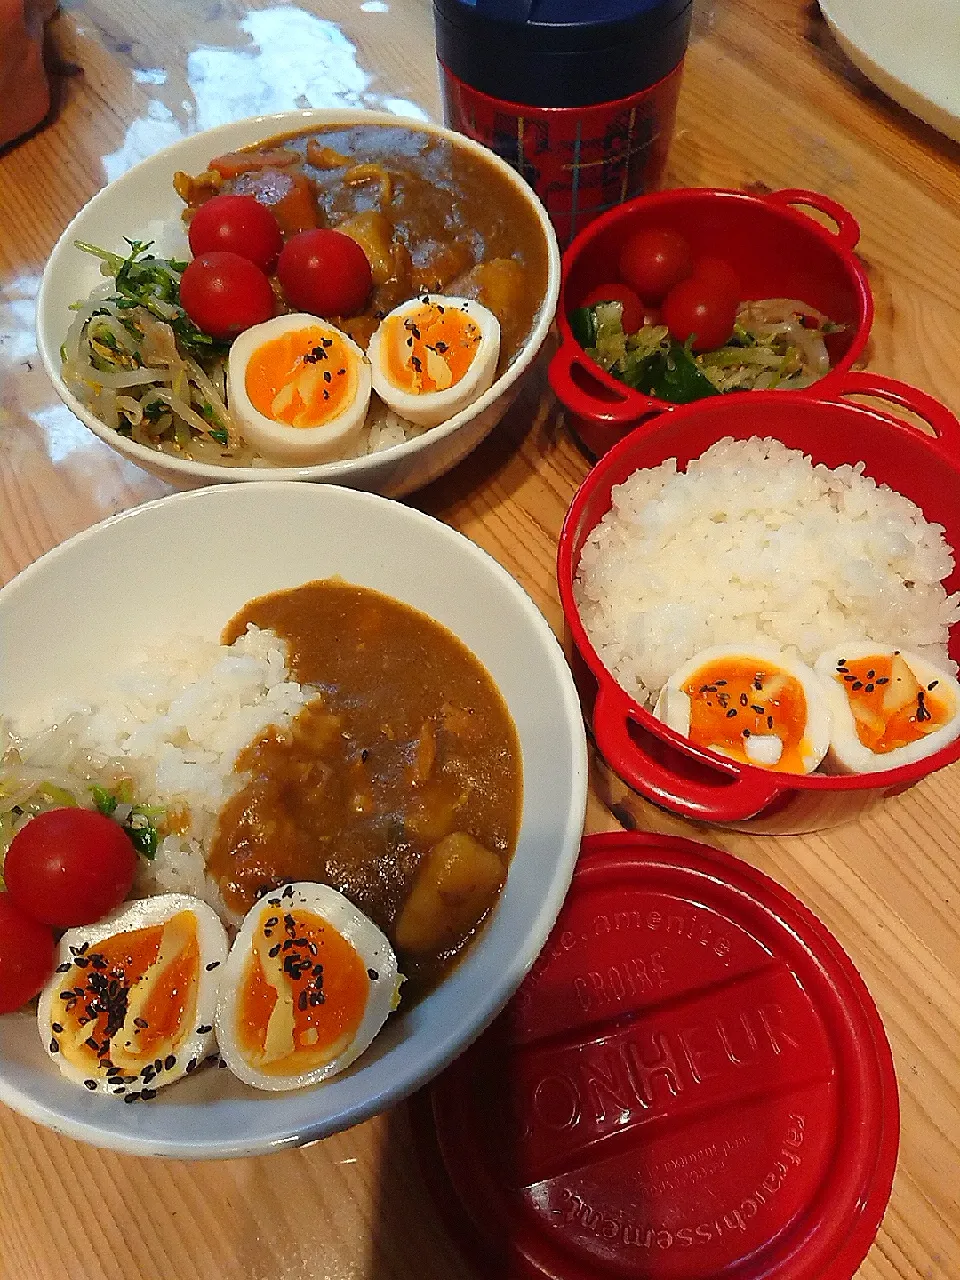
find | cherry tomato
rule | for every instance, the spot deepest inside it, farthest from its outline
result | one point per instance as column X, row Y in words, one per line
column 26, row 955
column 223, row 294
column 238, row 224
column 695, row 307
column 719, row 275
column 631, row 307
column 325, row 273
column 654, row 260
column 69, row 866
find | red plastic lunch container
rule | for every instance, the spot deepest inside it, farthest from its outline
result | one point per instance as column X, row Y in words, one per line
column 579, row 98
column 692, row 1082
column 640, row 755
column 777, row 250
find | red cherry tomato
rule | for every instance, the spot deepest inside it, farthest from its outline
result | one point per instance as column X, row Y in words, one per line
column 632, row 309
column 694, row 308
column 223, row 294
column 718, row 275
column 325, row 273
column 26, row 955
column 654, row 260
column 69, row 866
column 238, row 224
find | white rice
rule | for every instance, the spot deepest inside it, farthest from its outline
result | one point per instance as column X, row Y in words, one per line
column 174, row 723
column 753, row 542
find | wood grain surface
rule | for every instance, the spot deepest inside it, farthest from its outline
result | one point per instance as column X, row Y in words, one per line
column 768, row 100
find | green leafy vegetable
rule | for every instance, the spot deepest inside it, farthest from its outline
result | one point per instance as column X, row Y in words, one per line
column 139, row 823
column 143, row 280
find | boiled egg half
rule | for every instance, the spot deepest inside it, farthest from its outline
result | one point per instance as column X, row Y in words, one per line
column 131, row 1004
column 890, row 707
column 433, row 356
column 754, row 703
column 299, row 389
column 309, row 982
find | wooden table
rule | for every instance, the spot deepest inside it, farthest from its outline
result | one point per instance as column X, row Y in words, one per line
column 767, row 99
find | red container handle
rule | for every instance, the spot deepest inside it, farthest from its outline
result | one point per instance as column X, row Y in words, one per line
column 853, row 382
column 739, row 793
column 625, row 410
column 848, row 228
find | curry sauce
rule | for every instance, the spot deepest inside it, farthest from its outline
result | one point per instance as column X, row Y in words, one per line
column 407, row 766
column 430, row 216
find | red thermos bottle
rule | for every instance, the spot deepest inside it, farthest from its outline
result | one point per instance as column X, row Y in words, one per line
column 578, row 95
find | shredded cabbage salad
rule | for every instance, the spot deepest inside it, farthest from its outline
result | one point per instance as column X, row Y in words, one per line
column 137, row 361
column 777, row 343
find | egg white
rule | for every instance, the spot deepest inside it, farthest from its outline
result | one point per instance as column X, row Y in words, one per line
column 847, row 753
column 199, row 1042
column 279, row 441
column 764, row 750
column 370, row 943
column 430, row 408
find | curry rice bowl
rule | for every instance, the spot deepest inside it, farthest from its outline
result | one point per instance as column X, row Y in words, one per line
column 750, row 542
column 174, row 723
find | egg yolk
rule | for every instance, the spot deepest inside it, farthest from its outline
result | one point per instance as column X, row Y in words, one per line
column 733, row 698
column 304, row 378
column 429, row 349
column 890, row 707
column 129, row 1001
column 304, row 993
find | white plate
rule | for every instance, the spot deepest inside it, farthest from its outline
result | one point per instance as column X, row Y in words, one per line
column 143, row 199
column 910, row 49
column 184, row 565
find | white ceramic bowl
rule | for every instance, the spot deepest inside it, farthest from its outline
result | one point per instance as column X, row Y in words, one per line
column 184, row 565
column 145, row 195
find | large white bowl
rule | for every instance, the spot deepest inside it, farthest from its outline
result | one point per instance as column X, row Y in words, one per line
column 184, row 565
column 145, row 195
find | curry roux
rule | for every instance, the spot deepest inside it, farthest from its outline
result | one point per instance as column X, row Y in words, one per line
column 409, row 742
column 430, row 216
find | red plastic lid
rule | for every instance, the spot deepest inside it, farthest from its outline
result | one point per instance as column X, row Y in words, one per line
column 692, row 1083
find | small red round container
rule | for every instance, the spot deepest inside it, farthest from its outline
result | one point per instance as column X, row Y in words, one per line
column 641, row 751
column 776, row 249
column 692, row 1083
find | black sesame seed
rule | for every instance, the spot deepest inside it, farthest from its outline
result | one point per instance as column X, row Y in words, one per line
column 719, row 682
column 302, row 1002
column 273, row 902
column 191, row 1066
column 274, row 920
column 883, row 680
column 769, row 722
column 274, row 950
column 54, row 1046
column 871, row 674
column 204, row 1030
column 857, row 684
column 56, row 1026
column 375, row 977
column 63, row 968
column 932, row 685
column 169, row 1062
column 868, row 688
column 132, row 1096
column 287, row 891
column 744, row 700
column 148, row 1094
column 214, row 964
column 732, row 712
column 758, row 710
column 142, row 1023
column 746, row 733
column 90, row 1084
